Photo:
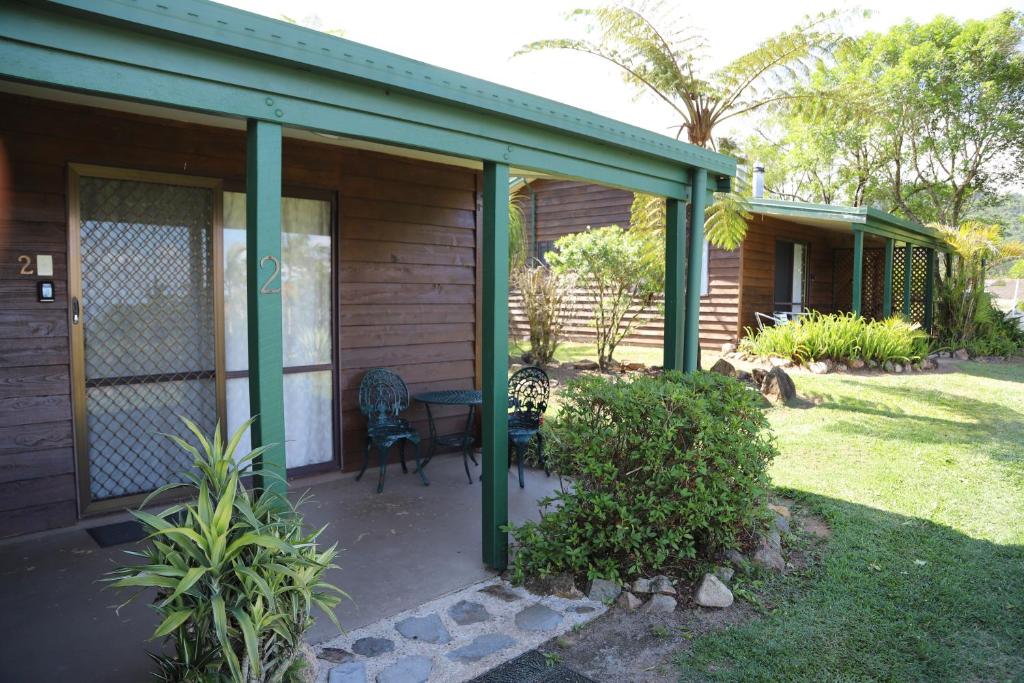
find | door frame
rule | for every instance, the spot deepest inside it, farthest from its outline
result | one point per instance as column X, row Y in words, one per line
column 87, row 506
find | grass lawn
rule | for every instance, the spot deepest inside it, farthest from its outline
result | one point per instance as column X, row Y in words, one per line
column 922, row 479
column 570, row 352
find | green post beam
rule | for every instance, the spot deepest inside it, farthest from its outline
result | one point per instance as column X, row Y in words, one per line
column 858, row 272
column 694, row 263
column 495, row 364
column 929, row 290
column 890, row 249
column 675, row 268
column 263, row 272
column 908, row 273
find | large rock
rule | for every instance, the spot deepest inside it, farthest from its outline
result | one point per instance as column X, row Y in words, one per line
column 724, row 367
column 428, row 629
column 735, row 557
column 857, row 364
column 663, row 585
column 603, row 590
column 724, row 574
column 777, row 362
column 411, row 669
column 778, row 386
column 818, row 368
column 660, row 604
column 961, row 354
column 628, row 601
column 780, row 510
column 586, row 365
column 641, row 586
column 728, row 347
column 711, row 592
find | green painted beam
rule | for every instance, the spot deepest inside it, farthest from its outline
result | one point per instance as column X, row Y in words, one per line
column 929, row 291
column 890, row 248
column 675, row 273
column 263, row 272
column 908, row 273
column 494, row 367
column 42, row 45
column 271, row 41
column 694, row 263
column 858, row 271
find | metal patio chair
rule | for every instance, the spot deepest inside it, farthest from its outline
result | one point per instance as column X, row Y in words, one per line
column 528, row 392
column 382, row 398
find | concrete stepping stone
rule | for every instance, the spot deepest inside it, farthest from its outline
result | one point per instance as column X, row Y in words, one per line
column 349, row 672
column 481, row 647
column 465, row 612
column 372, row 647
column 411, row 669
column 336, row 655
column 583, row 609
column 428, row 629
column 537, row 617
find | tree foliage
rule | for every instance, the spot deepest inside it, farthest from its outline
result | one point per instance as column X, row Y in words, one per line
column 623, row 269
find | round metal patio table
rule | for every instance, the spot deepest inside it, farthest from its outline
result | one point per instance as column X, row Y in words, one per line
column 462, row 440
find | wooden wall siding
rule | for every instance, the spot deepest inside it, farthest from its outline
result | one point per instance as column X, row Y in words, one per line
column 407, row 275
column 758, row 264
column 568, row 206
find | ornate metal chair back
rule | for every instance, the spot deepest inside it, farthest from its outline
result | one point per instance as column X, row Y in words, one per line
column 528, row 392
column 382, row 396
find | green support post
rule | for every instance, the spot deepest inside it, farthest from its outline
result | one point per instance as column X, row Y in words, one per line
column 263, row 272
column 929, row 290
column 908, row 273
column 495, row 365
column 694, row 263
column 890, row 249
column 675, row 268
column 858, row 272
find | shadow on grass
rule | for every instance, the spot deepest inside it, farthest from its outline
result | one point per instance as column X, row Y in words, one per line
column 890, row 598
column 983, row 426
column 1009, row 371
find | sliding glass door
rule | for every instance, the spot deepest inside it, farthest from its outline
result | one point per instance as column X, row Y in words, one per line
column 306, row 276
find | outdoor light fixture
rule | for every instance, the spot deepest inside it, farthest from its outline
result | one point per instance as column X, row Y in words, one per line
column 45, row 288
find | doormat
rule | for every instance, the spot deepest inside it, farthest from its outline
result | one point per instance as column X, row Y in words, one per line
column 117, row 534
column 532, row 667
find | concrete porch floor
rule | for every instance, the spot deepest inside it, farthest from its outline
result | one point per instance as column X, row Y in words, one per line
column 399, row 549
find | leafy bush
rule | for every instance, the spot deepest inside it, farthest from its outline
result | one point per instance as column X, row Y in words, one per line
column 663, row 469
column 625, row 270
column 235, row 574
column 547, row 300
column 840, row 337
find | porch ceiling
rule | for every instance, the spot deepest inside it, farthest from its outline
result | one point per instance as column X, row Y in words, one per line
column 849, row 218
column 208, row 58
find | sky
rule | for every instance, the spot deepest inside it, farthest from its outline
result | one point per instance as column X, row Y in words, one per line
column 479, row 38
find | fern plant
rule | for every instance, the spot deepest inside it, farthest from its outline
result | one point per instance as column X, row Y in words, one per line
column 235, row 573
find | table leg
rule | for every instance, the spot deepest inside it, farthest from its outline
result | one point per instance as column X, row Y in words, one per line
column 467, row 443
column 433, row 437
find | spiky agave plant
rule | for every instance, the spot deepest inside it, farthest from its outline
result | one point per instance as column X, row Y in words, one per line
column 235, row 573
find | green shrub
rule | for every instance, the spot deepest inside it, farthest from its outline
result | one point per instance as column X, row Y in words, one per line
column 663, row 470
column 235, row 575
column 840, row 337
column 995, row 333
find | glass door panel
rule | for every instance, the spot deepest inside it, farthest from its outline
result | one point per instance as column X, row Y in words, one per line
column 306, row 320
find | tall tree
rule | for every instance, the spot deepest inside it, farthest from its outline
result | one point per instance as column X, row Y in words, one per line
column 661, row 54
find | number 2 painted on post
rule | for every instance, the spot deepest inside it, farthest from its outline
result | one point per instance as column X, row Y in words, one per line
column 266, row 288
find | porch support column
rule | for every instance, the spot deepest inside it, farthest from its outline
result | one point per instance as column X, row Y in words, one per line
column 858, row 271
column 494, row 367
column 263, row 296
column 929, row 290
column 908, row 273
column 890, row 249
column 694, row 263
column 675, row 265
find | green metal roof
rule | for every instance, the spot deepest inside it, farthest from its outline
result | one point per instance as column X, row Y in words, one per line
column 864, row 218
column 207, row 57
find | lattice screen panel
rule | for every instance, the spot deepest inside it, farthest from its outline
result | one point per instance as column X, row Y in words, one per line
column 872, row 282
column 918, row 283
column 147, row 303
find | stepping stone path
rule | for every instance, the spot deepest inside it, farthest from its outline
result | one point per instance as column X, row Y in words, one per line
column 411, row 669
column 371, row 647
column 537, row 617
column 428, row 629
column 465, row 612
column 481, row 647
column 456, row 637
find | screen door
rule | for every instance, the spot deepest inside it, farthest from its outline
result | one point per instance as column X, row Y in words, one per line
column 144, row 326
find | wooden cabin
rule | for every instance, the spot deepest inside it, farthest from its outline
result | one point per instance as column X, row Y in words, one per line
column 796, row 257
column 209, row 213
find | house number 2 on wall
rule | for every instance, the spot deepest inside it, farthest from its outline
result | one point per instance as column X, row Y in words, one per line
column 268, row 287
